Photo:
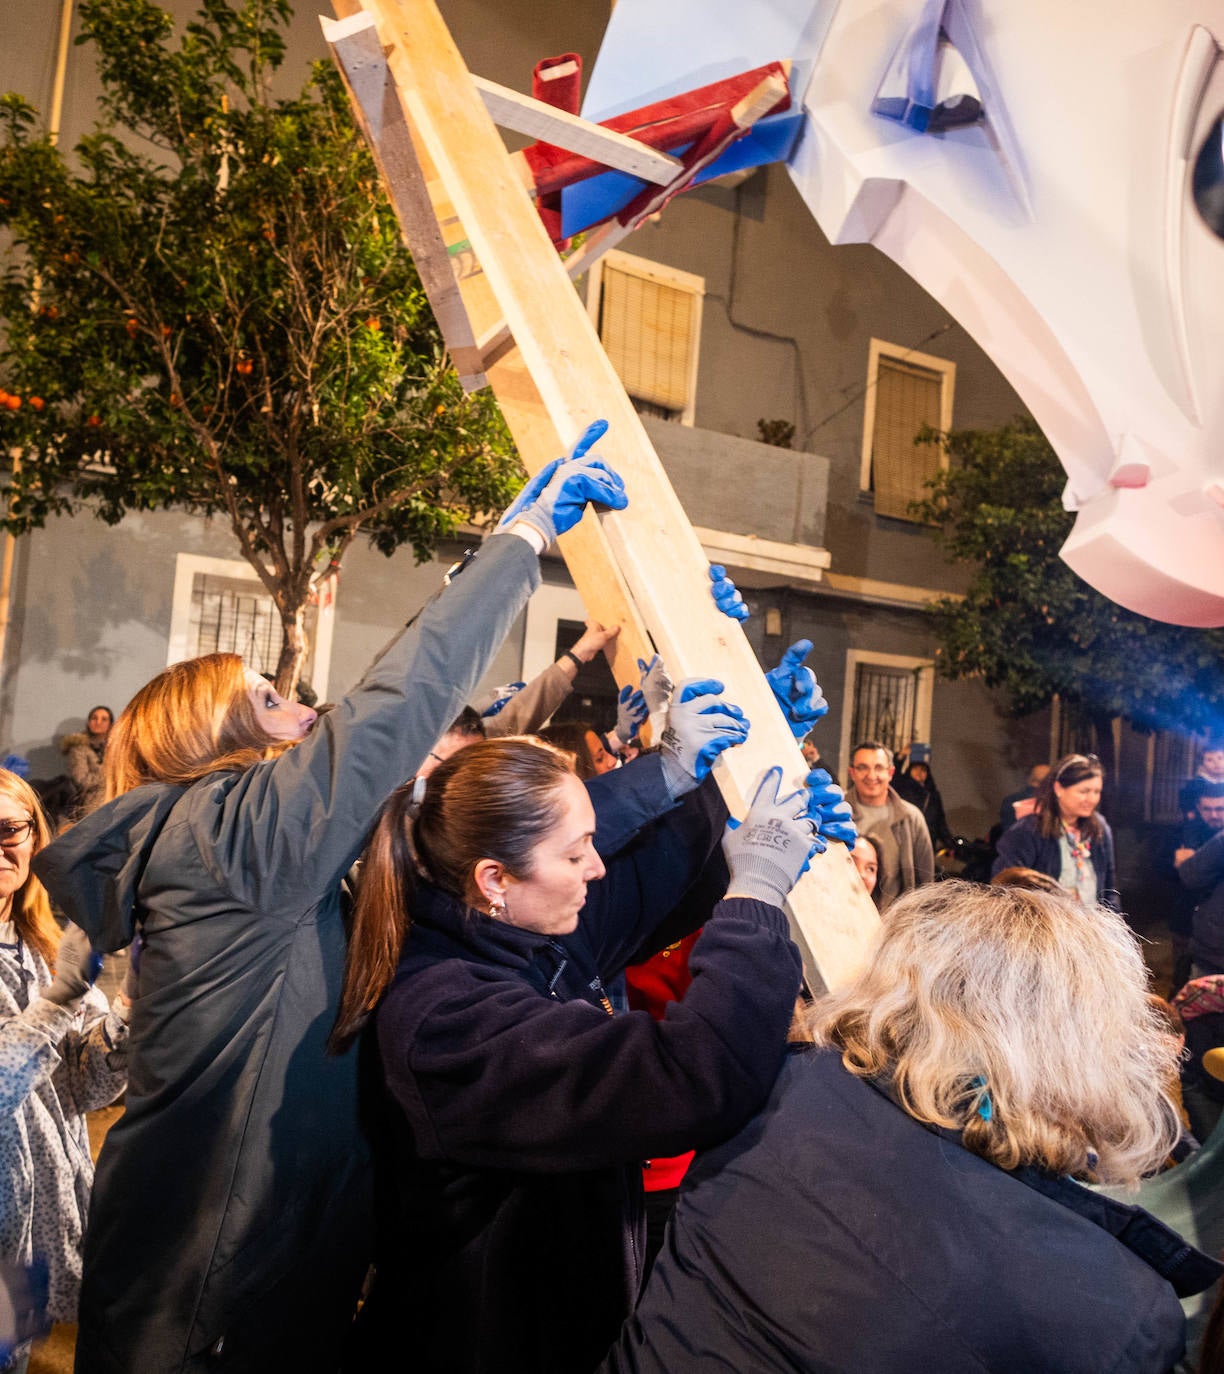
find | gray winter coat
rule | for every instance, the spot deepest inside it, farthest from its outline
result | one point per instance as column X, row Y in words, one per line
column 231, row 1220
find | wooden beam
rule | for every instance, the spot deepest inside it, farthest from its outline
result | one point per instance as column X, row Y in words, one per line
column 640, row 567
column 547, row 124
column 358, row 54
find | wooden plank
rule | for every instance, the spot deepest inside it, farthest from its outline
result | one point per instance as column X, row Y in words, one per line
column 645, row 564
column 358, row 54
column 547, row 124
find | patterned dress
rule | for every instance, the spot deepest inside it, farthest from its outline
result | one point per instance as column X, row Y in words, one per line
column 56, row 1064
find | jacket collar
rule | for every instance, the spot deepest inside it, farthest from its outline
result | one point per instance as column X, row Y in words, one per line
column 498, row 942
column 1187, row 1269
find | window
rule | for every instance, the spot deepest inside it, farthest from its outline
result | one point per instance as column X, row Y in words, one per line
column 905, row 390
column 1172, row 759
column 220, row 606
column 649, row 319
column 889, row 698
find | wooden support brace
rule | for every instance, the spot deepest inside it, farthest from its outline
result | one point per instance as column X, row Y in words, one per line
column 358, row 54
column 547, row 124
column 642, row 568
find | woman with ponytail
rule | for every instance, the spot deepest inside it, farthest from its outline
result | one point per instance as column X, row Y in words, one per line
column 232, row 1214
column 512, row 1109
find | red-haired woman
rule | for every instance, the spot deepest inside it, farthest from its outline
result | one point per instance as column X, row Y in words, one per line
column 232, row 1212
column 63, row 1052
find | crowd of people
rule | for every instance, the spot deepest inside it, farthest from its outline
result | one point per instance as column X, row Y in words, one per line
column 429, row 1009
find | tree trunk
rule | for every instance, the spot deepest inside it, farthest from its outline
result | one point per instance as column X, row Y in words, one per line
column 293, row 652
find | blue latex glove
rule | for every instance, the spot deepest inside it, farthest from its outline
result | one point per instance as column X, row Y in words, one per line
column 553, row 501
column 498, row 699
column 796, row 689
column 768, row 852
column 15, row 763
column 631, row 713
column 829, row 810
column 655, row 683
column 700, row 725
column 726, row 596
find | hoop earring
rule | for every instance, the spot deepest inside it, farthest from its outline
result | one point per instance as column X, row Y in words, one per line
column 498, row 912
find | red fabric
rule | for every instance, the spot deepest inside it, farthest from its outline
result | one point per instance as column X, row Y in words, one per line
column 667, row 125
column 563, row 93
column 661, row 979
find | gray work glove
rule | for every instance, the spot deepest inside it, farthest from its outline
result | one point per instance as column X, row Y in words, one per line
column 768, row 852
column 700, row 725
column 655, row 683
column 77, row 964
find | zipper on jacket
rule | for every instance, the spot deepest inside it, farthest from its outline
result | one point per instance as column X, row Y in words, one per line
column 558, row 953
column 604, row 1000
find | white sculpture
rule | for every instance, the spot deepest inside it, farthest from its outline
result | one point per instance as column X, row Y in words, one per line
column 1029, row 165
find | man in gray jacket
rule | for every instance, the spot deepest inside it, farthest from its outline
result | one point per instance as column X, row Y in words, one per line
column 906, row 856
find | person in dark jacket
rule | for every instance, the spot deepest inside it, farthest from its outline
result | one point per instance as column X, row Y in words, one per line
column 517, row 1108
column 231, row 1222
column 1066, row 838
column 907, row 1198
column 917, row 786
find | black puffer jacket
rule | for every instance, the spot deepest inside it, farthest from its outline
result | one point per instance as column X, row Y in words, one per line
column 231, row 1221
column 516, row 1111
column 837, row 1234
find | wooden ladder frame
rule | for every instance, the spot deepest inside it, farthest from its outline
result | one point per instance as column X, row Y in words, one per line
column 511, row 317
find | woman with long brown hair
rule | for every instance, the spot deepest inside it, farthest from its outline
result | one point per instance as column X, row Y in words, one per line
column 63, row 1052
column 232, row 1211
column 515, row 1109
column 1066, row 837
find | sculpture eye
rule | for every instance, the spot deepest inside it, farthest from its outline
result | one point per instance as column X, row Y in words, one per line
column 1207, row 183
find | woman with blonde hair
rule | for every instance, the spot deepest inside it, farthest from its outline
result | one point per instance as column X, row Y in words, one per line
column 232, row 1213
column 907, row 1198
column 63, row 1052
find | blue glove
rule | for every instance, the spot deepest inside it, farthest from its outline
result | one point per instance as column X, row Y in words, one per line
column 631, row 713
column 796, row 689
column 77, row 965
column 774, row 845
column 655, row 683
column 829, row 810
column 494, row 703
column 15, row 763
column 553, row 501
column 726, row 596
column 700, row 725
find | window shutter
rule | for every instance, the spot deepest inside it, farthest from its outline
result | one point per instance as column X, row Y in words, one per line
column 647, row 328
column 907, row 397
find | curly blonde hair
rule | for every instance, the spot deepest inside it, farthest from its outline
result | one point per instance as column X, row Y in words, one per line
column 1020, row 1017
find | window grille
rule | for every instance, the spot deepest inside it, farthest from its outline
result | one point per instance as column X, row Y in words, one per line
column 885, row 705
column 235, row 616
column 1174, row 757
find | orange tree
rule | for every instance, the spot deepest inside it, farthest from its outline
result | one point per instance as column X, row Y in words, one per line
column 208, row 305
column 1031, row 626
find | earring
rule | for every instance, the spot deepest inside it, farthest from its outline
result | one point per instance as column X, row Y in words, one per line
column 498, row 912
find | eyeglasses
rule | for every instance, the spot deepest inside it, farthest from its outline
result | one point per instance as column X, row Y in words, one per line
column 1078, row 761
column 13, row 834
